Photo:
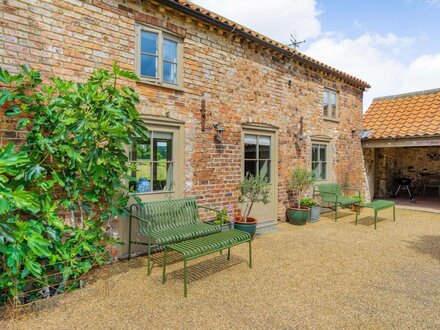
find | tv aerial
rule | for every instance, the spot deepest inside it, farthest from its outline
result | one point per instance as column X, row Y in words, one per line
column 294, row 41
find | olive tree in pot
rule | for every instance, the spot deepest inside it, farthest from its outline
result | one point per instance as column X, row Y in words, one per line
column 253, row 189
column 300, row 181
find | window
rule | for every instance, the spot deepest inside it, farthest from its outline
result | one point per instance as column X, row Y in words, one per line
column 257, row 155
column 320, row 161
column 159, row 57
column 152, row 163
column 330, row 107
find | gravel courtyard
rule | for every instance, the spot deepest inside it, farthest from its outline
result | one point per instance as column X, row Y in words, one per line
column 323, row 275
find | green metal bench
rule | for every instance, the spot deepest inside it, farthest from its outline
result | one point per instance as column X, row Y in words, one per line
column 331, row 193
column 167, row 222
column 203, row 246
column 377, row 206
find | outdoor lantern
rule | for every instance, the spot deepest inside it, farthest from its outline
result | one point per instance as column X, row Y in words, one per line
column 219, row 129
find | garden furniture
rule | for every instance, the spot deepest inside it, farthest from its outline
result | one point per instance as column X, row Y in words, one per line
column 167, row 222
column 202, row 246
column 377, row 206
column 431, row 185
column 331, row 193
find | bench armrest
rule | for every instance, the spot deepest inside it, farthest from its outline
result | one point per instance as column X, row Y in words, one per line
column 149, row 225
column 357, row 189
column 207, row 208
column 318, row 193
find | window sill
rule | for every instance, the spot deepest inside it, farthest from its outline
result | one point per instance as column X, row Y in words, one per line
column 331, row 119
column 150, row 193
column 159, row 84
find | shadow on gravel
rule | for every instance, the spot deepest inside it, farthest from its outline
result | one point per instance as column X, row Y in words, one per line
column 427, row 244
column 206, row 268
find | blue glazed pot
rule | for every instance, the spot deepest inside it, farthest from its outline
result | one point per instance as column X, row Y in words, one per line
column 143, row 185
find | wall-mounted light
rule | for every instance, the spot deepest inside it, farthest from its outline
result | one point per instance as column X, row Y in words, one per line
column 299, row 129
column 219, row 130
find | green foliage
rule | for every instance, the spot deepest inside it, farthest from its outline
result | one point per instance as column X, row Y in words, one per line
column 74, row 162
column 253, row 189
column 223, row 216
column 309, row 202
column 300, row 181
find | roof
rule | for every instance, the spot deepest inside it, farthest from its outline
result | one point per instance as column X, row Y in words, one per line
column 405, row 115
column 213, row 18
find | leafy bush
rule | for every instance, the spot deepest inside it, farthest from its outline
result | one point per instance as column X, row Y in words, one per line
column 74, row 163
column 300, row 181
column 309, row 202
column 253, row 189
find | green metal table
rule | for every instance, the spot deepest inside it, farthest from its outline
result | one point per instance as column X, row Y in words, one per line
column 195, row 248
column 377, row 206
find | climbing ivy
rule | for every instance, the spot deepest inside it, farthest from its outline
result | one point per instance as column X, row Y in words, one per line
column 74, row 167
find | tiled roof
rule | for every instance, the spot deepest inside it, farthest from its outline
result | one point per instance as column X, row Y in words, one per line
column 276, row 45
column 405, row 115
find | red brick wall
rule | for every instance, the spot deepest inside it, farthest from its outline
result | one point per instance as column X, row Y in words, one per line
column 239, row 80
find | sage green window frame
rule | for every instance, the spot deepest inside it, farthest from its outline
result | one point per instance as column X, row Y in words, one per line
column 159, row 80
column 260, row 161
column 330, row 106
column 175, row 127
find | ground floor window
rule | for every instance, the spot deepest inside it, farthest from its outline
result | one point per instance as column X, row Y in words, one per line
column 320, row 161
column 257, row 155
column 152, row 163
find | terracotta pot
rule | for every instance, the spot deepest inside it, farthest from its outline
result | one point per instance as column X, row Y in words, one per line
column 250, row 226
column 241, row 220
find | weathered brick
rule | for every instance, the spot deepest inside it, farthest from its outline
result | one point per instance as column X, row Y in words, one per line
column 240, row 81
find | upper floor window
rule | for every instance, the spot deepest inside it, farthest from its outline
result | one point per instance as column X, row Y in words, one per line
column 158, row 57
column 330, row 104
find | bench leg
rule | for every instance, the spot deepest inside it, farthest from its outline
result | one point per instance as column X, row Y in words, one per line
column 356, row 221
column 185, row 279
column 394, row 213
column 129, row 239
column 375, row 219
column 148, row 259
column 250, row 255
column 164, row 265
column 336, row 212
column 229, row 253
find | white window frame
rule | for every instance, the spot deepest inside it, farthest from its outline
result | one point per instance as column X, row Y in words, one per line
column 161, row 36
column 329, row 105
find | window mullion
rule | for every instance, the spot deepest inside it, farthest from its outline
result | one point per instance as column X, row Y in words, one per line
column 160, row 57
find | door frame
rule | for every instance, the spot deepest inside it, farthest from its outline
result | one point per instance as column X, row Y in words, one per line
column 272, row 132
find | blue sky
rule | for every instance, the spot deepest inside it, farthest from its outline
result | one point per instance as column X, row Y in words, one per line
column 392, row 44
column 417, row 19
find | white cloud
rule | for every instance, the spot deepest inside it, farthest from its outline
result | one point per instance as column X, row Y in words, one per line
column 380, row 59
column 375, row 58
column 276, row 19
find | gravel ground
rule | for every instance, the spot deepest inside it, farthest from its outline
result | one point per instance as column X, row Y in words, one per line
column 322, row 275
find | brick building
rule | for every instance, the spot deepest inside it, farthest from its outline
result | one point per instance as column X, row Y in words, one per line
column 200, row 74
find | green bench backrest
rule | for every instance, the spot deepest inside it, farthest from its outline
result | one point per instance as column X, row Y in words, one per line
column 167, row 214
column 327, row 191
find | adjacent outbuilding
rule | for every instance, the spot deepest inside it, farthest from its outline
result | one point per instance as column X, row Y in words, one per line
column 401, row 144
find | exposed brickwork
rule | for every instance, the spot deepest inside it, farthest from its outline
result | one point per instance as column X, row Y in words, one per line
column 240, row 81
column 412, row 162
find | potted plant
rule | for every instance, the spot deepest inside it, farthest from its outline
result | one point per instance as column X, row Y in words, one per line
column 253, row 189
column 300, row 181
column 223, row 217
column 315, row 208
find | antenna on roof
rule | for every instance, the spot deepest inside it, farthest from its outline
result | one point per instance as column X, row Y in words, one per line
column 294, row 41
